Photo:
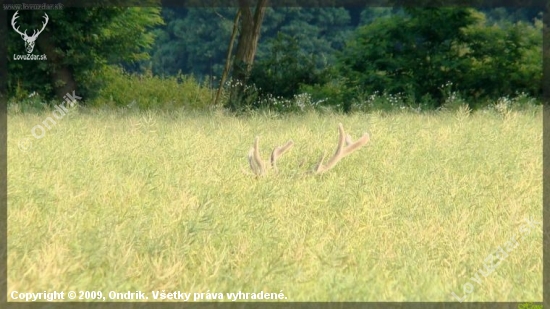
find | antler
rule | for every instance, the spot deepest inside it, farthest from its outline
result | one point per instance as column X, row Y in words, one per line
column 34, row 34
column 342, row 150
column 13, row 24
column 257, row 165
column 43, row 25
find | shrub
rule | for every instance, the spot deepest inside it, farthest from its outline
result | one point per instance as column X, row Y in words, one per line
column 148, row 91
column 284, row 71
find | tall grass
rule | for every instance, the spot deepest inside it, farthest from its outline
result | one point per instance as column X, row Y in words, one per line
column 152, row 201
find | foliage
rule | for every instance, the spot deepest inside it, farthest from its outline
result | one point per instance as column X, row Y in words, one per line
column 409, row 55
column 285, row 69
column 195, row 40
column 421, row 56
column 318, row 31
column 501, row 15
column 27, row 103
column 503, row 59
column 329, row 94
column 529, row 306
column 89, row 39
column 371, row 14
column 145, row 91
column 406, row 54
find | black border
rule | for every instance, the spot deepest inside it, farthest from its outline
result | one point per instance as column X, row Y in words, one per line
column 3, row 160
column 544, row 5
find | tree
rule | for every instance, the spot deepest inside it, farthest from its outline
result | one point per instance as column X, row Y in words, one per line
column 246, row 50
column 319, row 31
column 78, row 43
column 504, row 60
column 281, row 73
column 413, row 54
column 194, row 41
column 418, row 53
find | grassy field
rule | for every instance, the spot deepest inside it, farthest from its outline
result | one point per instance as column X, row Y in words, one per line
column 152, row 201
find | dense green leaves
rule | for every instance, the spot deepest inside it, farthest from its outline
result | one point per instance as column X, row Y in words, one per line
column 504, row 60
column 336, row 55
column 416, row 54
column 285, row 69
column 85, row 40
column 194, row 41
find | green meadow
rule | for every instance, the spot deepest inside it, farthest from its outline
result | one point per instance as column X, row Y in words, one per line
column 438, row 206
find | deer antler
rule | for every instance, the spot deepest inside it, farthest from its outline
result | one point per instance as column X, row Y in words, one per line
column 258, row 165
column 43, row 25
column 29, row 40
column 14, row 17
column 24, row 34
column 342, row 150
column 277, row 152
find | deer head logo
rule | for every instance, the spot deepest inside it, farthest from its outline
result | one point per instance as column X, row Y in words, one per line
column 29, row 40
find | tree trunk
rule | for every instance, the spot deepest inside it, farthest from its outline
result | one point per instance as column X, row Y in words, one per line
column 246, row 51
column 61, row 75
column 228, row 58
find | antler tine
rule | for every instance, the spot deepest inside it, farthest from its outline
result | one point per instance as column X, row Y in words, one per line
column 318, row 166
column 256, row 163
column 13, row 22
column 43, row 24
column 345, row 147
column 278, row 151
column 349, row 141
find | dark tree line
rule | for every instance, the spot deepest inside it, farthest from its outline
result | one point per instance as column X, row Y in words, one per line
column 337, row 54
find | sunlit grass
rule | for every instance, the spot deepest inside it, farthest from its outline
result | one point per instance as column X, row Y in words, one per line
column 152, row 201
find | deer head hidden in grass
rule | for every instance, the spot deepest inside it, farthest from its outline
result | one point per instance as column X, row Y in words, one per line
column 345, row 147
